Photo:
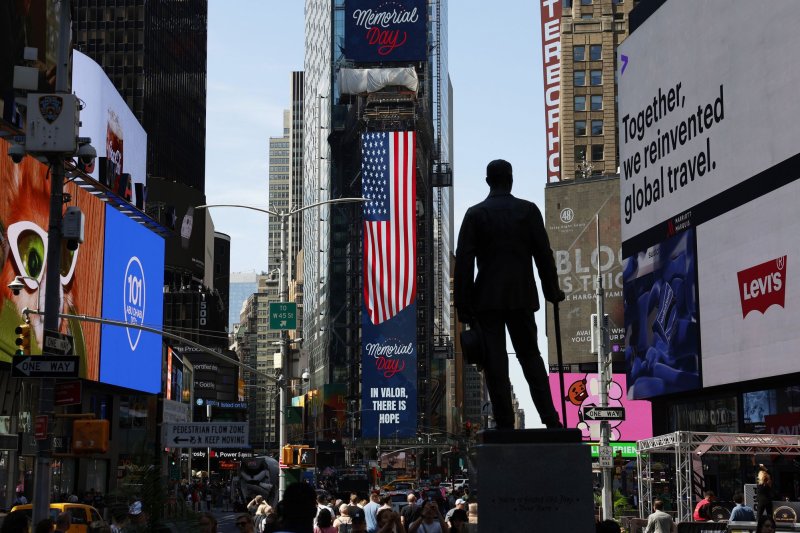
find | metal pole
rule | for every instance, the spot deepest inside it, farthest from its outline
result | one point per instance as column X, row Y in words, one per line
column 284, row 297
column 602, row 374
column 52, row 302
column 557, row 327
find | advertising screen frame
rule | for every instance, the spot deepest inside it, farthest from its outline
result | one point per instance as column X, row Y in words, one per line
column 134, row 265
column 707, row 122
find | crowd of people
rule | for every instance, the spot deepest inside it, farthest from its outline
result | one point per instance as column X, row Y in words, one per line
column 303, row 510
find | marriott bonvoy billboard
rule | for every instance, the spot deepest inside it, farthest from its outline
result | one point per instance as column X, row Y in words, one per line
column 708, row 195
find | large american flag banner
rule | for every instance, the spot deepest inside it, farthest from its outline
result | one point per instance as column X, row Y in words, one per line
column 388, row 179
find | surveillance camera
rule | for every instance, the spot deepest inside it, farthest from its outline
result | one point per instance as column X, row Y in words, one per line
column 86, row 154
column 16, row 152
column 306, row 376
column 16, row 286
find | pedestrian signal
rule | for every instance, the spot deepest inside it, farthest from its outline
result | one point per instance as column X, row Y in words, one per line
column 23, row 341
column 307, row 457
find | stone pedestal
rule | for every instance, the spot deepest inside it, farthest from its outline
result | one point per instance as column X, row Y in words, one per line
column 534, row 480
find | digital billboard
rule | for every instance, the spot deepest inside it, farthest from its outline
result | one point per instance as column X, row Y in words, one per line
column 133, row 285
column 186, row 248
column 708, row 123
column 661, row 317
column 583, row 390
column 378, row 32
column 116, row 134
column 749, row 299
column 389, row 309
column 24, row 219
column 572, row 208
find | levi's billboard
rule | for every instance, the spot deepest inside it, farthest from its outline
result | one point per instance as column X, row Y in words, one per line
column 385, row 31
column 708, row 196
column 133, row 285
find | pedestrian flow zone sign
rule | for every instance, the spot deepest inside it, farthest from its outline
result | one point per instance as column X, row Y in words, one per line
column 282, row 315
column 206, row 435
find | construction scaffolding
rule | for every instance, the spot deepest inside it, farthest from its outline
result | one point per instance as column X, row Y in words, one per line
column 687, row 446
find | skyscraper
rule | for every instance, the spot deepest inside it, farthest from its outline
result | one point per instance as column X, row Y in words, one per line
column 155, row 54
column 332, row 238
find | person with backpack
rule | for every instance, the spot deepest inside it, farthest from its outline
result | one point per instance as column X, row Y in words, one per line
column 344, row 523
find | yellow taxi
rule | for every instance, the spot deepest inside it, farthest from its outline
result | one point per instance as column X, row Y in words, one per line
column 85, row 518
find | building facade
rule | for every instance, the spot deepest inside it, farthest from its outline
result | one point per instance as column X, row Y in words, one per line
column 332, row 233
column 155, row 53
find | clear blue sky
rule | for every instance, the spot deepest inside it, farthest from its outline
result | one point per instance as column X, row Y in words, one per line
column 496, row 71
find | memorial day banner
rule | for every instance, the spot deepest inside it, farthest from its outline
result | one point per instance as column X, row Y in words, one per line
column 381, row 31
column 389, row 311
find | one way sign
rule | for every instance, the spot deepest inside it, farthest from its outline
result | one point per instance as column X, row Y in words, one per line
column 57, row 343
column 45, row 366
column 593, row 412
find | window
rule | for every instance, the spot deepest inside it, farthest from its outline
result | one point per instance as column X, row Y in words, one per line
column 580, row 153
column 597, row 152
column 596, row 77
column 580, row 103
column 587, row 16
column 597, row 127
column 579, row 53
column 597, row 102
column 586, row 2
column 580, row 77
column 567, row 4
column 596, row 52
column 580, row 127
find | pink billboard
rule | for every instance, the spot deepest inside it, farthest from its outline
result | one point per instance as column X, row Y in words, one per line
column 583, row 390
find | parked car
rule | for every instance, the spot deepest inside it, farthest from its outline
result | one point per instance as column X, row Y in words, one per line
column 447, row 486
column 85, row 518
column 461, row 484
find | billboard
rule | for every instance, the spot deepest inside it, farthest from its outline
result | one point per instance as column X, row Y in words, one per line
column 389, row 310
column 708, row 156
column 116, row 134
column 380, row 32
column 583, row 390
column 550, row 17
column 572, row 208
column 133, row 283
column 24, row 216
column 173, row 205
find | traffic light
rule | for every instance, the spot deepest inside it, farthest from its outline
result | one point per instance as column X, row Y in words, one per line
column 307, row 457
column 287, row 455
column 90, row 436
column 23, row 340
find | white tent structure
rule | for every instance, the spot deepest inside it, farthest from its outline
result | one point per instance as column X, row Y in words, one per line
column 687, row 446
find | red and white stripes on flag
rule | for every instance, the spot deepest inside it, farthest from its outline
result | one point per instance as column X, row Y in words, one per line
column 388, row 180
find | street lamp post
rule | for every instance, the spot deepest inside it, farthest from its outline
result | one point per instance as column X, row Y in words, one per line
column 284, row 296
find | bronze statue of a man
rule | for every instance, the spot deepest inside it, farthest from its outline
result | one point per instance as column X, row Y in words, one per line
column 503, row 233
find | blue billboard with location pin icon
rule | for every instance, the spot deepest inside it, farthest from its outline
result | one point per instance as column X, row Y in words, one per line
column 133, row 279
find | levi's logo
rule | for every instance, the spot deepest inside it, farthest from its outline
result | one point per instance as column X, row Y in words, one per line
column 763, row 285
